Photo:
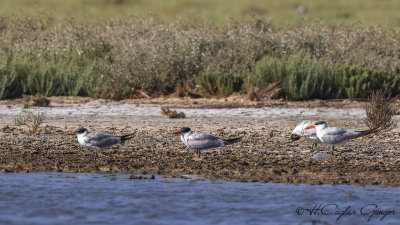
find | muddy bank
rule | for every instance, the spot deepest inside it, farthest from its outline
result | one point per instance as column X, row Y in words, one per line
column 256, row 159
column 265, row 155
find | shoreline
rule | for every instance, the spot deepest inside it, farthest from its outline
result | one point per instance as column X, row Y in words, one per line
column 236, row 166
column 233, row 101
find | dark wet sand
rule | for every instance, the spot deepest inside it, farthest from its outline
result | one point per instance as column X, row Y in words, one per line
column 266, row 153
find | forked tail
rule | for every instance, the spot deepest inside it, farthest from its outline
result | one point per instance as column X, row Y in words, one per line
column 126, row 137
column 231, row 141
column 366, row 132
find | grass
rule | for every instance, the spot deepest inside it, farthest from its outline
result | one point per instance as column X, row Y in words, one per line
column 128, row 57
column 384, row 12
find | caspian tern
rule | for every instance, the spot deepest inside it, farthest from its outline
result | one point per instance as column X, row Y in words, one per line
column 98, row 141
column 308, row 134
column 336, row 135
column 201, row 141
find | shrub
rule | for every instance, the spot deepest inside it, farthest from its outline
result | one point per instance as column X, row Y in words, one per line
column 301, row 76
column 30, row 72
column 268, row 70
column 358, row 82
column 307, row 78
column 32, row 120
column 222, row 84
column 119, row 58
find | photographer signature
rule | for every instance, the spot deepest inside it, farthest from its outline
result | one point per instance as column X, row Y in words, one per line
column 370, row 210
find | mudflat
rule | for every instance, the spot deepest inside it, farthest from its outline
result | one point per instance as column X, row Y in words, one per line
column 266, row 153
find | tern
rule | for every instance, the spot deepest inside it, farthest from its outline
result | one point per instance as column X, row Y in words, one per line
column 308, row 134
column 201, row 141
column 98, row 141
column 336, row 135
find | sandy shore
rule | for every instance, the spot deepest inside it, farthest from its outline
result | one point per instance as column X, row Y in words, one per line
column 266, row 153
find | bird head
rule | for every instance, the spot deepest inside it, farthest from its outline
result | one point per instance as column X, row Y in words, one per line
column 183, row 130
column 78, row 131
column 295, row 137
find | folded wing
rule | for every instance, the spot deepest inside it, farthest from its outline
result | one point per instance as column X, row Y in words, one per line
column 101, row 140
column 204, row 141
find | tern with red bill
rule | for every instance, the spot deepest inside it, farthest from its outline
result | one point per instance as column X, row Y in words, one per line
column 98, row 141
column 308, row 134
column 202, row 141
column 336, row 135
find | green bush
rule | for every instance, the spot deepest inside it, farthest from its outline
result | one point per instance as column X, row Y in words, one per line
column 392, row 84
column 219, row 84
column 306, row 78
column 268, row 70
column 301, row 76
column 29, row 72
column 358, row 82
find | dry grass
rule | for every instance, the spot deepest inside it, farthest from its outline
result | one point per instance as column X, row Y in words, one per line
column 21, row 119
column 213, row 11
column 32, row 120
column 380, row 110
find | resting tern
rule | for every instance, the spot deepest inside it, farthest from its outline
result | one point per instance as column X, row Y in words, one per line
column 308, row 134
column 336, row 135
column 201, row 141
column 98, row 141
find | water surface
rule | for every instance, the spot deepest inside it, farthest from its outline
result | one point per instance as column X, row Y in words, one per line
column 62, row 198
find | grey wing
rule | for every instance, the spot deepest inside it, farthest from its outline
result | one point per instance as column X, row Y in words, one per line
column 204, row 141
column 102, row 140
column 334, row 131
column 335, row 135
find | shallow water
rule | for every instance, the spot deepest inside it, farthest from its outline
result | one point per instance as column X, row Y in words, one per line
column 62, row 198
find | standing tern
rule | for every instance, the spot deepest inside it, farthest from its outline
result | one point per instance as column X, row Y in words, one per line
column 336, row 135
column 308, row 134
column 98, row 141
column 201, row 141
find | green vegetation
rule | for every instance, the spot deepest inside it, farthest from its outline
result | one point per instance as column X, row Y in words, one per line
column 219, row 84
column 305, row 78
column 35, row 71
column 129, row 57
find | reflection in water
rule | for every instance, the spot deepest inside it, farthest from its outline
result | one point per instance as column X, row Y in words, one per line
column 49, row 198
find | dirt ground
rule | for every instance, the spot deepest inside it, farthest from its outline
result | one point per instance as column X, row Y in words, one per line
column 266, row 153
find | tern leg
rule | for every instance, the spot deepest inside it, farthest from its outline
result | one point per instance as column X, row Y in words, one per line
column 198, row 153
column 333, row 149
column 95, row 156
